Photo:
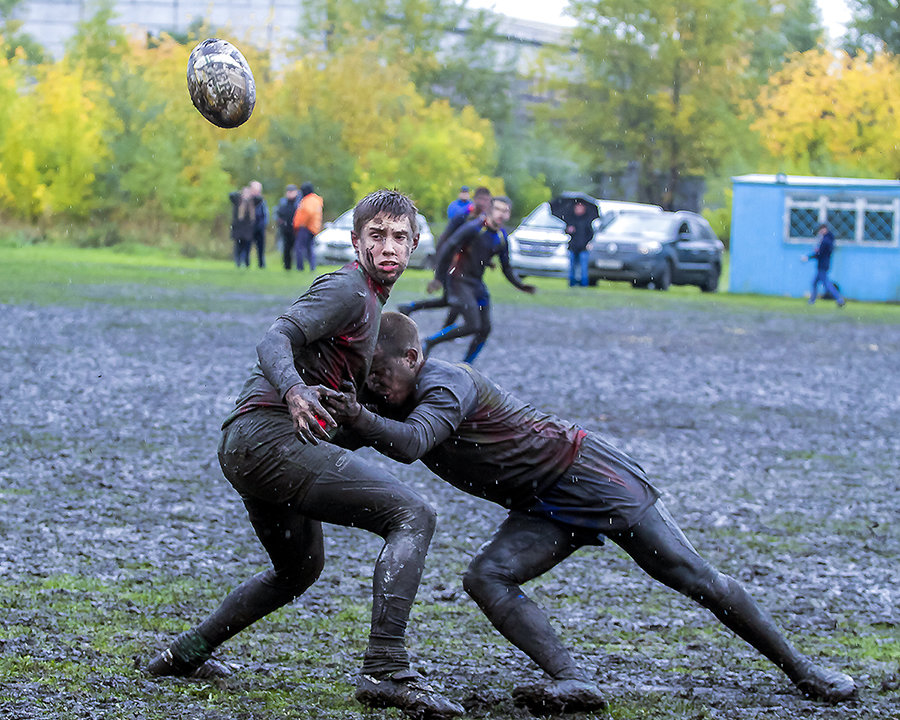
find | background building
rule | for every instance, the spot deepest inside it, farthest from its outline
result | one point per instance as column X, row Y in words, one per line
column 773, row 225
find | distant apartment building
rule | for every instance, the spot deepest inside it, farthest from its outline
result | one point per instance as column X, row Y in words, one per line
column 267, row 24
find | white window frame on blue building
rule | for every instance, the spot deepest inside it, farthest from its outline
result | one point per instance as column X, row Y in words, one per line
column 859, row 220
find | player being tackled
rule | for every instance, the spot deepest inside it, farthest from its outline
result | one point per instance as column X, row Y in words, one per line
column 565, row 488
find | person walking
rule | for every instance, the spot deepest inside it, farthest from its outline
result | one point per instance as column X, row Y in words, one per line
column 284, row 220
column 307, row 224
column 822, row 255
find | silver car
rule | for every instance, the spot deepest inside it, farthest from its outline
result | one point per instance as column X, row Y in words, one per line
column 333, row 245
column 539, row 246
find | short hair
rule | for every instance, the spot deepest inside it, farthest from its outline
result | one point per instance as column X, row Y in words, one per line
column 502, row 199
column 307, row 188
column 482, row 190
column 823, row 226
column 390, row 202
column 397, row 334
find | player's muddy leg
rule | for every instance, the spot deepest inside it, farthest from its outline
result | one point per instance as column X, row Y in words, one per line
column 484, row 329
column 467, row 307
column 294, row 544
column 357, row 494
column 661, row 549
column 523, row 548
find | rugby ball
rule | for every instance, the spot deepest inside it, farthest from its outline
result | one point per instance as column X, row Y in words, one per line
column 220, row 83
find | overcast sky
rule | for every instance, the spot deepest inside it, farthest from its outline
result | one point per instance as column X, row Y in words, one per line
column 834, row 12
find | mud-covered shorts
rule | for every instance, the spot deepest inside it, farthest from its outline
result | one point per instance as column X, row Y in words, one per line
column 603, row 491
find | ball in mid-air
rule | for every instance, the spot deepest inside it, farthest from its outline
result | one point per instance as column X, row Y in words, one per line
column 221, row 83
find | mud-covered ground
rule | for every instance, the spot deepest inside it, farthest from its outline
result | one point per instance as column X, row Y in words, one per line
column 775, row 439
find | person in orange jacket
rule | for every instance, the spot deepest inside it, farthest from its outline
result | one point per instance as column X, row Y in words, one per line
column 307, row 224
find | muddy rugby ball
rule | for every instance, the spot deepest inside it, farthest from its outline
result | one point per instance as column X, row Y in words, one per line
column 221, row 83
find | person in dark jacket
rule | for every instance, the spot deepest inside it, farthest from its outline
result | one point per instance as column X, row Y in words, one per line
column 565, row 488
column 822, row 256
column 580, row 232
column 260, row 222
column 481, row 203
column 243, row 220
column 284, row 219
column 460, row 267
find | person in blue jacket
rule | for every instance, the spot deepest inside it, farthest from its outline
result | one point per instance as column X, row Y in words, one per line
column 822, row 256
column 460, row 206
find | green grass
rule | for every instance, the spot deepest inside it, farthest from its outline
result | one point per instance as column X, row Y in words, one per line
column 147, row 277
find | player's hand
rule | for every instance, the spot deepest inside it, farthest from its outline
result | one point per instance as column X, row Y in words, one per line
column 530, row 289
column 434, row 286
column 311, row 420
column 344, row 407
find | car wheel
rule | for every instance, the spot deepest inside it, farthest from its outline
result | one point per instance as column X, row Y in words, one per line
column 665, row 278
column 711, row 283
column 641, row 284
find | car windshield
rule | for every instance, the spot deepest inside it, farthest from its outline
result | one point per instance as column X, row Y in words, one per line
column 643, row 224
column 541, row 217
column 345, row 221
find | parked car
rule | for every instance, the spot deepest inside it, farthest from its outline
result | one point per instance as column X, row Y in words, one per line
column 668, row 248
column 539, row 245
column 333, row 245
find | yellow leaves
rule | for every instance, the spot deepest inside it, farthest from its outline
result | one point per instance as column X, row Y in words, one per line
column 824, row 111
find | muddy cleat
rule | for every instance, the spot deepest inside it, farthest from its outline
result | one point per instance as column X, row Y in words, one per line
column 407, row 691
column 560, row 696
column 188, row 656
column 827, row 685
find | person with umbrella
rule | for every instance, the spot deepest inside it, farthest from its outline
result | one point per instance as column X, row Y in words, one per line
column 578, row 211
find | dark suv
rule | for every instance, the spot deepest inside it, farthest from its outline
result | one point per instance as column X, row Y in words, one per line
column 667, row 248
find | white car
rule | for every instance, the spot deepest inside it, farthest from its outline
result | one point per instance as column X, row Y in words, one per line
column 539, row 246
column 333, row 245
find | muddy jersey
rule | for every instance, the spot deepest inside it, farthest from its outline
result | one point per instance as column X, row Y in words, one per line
column 469, row 250
column 332, row 329
column 475, row 435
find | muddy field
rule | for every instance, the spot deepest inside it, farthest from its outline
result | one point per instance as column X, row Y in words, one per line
column 775, row 439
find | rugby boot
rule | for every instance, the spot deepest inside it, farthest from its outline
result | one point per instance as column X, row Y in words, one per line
column 560, row 696
column 407, row 691
column 188, row 656
column 829, row 686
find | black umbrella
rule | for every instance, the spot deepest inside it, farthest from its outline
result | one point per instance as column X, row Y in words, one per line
column 563, row 206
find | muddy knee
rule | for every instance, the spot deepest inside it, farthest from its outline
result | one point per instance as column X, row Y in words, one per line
column 488, row 583
column 296, row 579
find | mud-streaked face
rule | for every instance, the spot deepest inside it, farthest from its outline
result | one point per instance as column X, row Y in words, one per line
column 384, row 246
column 391, row 378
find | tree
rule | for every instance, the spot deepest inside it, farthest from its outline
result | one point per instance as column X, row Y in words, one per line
column 826, row 114
column 661, row 81
column 875, row 25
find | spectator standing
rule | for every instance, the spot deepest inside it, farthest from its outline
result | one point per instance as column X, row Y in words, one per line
column 823, row 264
column 460, row 206
column 307, row 224
column 284, row 219
column 261, row 219
column 580, row 232
column 243, row 220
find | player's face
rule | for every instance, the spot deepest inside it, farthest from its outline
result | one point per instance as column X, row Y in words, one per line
column 384, row 246
column 391, row 378
column 498, row 215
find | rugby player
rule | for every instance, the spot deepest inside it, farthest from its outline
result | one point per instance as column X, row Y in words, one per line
column 565, row 488
column 276, row 452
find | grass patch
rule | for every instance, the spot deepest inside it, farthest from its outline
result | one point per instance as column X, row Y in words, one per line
column 50, row 275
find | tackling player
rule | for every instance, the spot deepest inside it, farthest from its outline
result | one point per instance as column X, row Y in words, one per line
column 460, row 266
column 276, row 452
column 565, row 488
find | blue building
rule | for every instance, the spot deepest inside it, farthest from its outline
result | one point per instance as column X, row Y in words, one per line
column 773, row 225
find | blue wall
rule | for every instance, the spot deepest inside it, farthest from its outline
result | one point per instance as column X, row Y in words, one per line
column 764, row 261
